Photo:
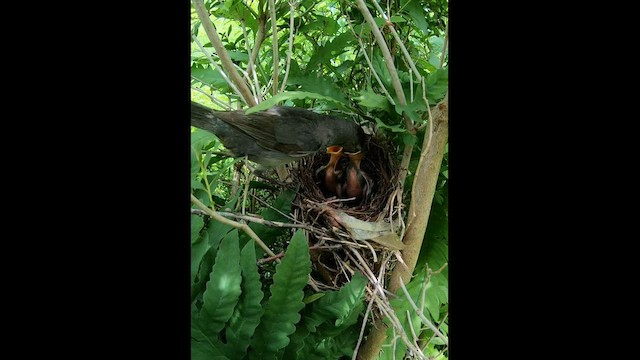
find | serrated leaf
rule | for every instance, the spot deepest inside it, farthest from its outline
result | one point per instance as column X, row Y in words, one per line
column 293, row 95
column 282, row 311
column 281, row 205
column 246, row 315
column 198, row 249
column 216, row 231
column 223, row 288
column 324, row 54
column 371, row 100
column 337, row 306
column 393, row 128
column 203, row 347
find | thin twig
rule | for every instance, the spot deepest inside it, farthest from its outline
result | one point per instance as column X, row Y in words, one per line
column 237, row 225
column 274, row 30
column 421, row 315
column 251, row 70
column 371, row 68
column 227, row 64
column 398, row 40
column 266, row 222
column 362, row 327
column 260, row 35
column 293, row 5
column 388, row 60
column 211, row 97
column 224, row 75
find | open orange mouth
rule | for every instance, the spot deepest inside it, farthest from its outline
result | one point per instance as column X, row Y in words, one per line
column 334, row 150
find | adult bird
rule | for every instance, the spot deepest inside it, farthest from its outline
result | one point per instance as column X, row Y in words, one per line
column 356, row 183
column 331, row 174
column 279, row 135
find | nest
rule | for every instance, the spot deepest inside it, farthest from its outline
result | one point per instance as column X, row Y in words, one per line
column 344, row 235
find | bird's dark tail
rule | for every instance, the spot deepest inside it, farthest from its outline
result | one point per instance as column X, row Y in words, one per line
column 202, row 117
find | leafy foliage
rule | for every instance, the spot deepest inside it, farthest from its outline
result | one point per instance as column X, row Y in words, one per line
column 241, row 310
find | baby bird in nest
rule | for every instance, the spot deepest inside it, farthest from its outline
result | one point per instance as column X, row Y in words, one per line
column 356, row 182
column 331, row 174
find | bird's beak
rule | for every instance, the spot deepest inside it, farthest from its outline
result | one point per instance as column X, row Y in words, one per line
column 334, row 150
column 355, row 155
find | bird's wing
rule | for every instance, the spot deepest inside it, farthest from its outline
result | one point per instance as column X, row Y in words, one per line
column 288, row 130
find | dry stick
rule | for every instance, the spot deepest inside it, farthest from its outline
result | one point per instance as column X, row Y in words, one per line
column 266, row 222
column 237, row 225
column 274, row 30
column 227, row 64
column 293, row 6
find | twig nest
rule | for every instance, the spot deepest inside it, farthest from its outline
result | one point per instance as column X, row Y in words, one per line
column 369, row 226
column 378, row 163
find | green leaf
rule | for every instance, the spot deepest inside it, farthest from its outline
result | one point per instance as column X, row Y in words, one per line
column 198, row 249
column 293, row 95
column 209, row 76
column 400, row 306
column 216, row 231
column 324, row 54
column 311, row 298
column 223, row 288
column 337, row 306
column 393, row 128
column 281, row 205
column 415, row 11
column 196, row 225
column 282, row 310
column 409, row 139
column 316, row 85
column 371, row 100
column 203, row 347
column 246, row 315
column 437, row 84
column 200, row 138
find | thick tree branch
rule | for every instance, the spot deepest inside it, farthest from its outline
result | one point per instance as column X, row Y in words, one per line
column 227, row 64
column 424, row 187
